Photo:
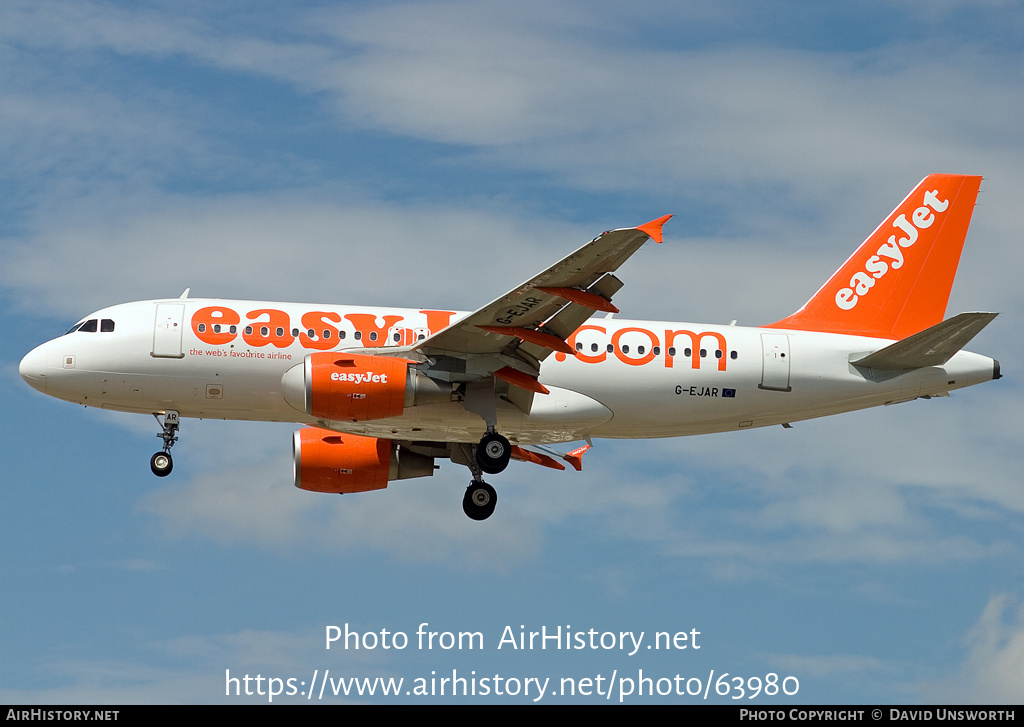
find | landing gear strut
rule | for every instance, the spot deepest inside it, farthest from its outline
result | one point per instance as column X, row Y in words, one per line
column 480, row 498
column 161, row 462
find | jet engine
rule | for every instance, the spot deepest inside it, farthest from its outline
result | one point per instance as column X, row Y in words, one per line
column 354, row 387
column 326, row 461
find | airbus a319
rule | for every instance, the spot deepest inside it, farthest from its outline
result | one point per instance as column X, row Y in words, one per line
column 384, row 392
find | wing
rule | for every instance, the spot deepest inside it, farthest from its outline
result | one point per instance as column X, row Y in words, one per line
column 510, row 336
column 506, row 340
column 554, row 303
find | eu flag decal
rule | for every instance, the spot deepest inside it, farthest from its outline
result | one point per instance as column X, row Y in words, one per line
column 728, row 393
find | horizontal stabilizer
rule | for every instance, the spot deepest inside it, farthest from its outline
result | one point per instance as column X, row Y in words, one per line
column 931, row 347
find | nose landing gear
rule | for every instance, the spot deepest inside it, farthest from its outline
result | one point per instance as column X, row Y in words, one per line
column 161, row 462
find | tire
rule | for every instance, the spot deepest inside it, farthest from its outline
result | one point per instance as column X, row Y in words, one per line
column 493, row 453
column 479, row 501
column 161, row 464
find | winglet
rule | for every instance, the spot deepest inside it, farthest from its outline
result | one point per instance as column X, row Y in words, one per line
column 653, row 228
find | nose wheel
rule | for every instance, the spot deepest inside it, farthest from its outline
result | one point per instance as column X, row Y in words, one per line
column 161, row 463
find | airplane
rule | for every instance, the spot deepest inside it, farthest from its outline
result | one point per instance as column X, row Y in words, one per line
column 384, row 392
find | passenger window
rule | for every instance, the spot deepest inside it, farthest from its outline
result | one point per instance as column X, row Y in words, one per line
column 373, row 335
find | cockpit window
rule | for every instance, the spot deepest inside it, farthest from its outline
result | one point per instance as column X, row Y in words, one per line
column 92, row 325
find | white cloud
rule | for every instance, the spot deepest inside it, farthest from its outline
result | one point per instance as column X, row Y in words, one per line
column 800, row 146
column 617, row 115
column 561, row 90
column 277, row 247
column 993, row 670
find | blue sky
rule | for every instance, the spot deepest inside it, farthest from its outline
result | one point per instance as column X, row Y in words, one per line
column 436, row 154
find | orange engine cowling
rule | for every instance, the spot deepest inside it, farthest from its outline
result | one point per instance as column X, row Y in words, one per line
column 326, row 461
column 354, row 387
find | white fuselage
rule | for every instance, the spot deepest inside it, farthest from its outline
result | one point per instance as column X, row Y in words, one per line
column 630, row 379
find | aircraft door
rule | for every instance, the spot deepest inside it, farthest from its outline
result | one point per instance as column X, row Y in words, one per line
column 775, row 362
column 167, row 331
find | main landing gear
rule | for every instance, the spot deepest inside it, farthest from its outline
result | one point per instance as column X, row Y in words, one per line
column 491, row 456
column 161, row 462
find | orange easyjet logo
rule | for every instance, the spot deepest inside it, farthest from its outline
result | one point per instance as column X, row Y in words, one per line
column 218, row 325
column 890, row 254
column 651, row 348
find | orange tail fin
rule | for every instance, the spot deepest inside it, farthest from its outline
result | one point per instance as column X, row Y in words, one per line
column 898, row 281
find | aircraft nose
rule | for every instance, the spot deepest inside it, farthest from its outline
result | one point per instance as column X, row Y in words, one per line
column 33, row 369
